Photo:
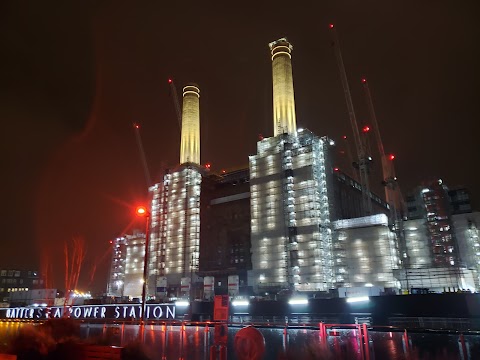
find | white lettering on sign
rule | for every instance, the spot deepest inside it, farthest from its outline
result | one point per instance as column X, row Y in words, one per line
column 58, row 313
column 152, row 311
column 157, row 312
column 87, row 312
column 132, row 312
column 171, row 311
column 77, row 312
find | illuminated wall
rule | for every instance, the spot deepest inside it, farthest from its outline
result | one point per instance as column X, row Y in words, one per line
column 290, row 213
column 421, row 269
column 175, row 240
column 126, row 272
column 190, row 141
column 366, row 252
column 283, row 96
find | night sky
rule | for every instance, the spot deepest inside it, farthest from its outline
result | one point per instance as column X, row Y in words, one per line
column 75, row 75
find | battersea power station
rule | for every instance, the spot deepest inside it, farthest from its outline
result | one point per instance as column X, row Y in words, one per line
column 289, row 223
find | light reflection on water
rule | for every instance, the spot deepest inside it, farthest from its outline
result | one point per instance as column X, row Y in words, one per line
column 194, row 342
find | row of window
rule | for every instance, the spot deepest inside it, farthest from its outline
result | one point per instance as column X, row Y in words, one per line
column 15, row 273
column 12, row 289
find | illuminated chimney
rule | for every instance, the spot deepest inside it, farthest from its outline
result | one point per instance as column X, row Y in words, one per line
column 283, row 100
column 190, row 143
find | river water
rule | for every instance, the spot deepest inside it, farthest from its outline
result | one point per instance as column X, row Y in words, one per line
column 195, row 342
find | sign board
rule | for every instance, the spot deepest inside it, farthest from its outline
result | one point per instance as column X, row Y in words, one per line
column 88, row 312
column 185, row 284
column 220, row 308
column 208, row 287
column 233, row 285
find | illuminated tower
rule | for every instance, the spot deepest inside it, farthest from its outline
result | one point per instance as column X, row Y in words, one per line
column 190, row 145
column 283, row 99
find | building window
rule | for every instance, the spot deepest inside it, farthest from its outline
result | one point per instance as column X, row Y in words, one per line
column 17, row 273
column 3, row 273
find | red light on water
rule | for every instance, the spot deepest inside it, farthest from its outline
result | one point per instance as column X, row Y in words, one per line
column 366, row 129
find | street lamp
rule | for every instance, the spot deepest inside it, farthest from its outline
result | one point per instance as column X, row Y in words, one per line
column 143, row 212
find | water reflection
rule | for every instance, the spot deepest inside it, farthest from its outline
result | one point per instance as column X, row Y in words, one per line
column 164, row 342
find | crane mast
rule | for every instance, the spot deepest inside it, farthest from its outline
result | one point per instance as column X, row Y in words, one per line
column 148, row 179
column 392, row 191
column 359, row 145
column 176, row 103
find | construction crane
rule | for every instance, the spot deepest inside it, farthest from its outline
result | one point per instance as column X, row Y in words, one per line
column 363, row 159
column 392, row 191
column 176, row 103
column 148, row 179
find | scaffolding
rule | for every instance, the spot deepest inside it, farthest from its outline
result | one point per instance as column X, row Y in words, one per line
column 366, row 252
column 175, row 241
column 126, row 274
column 290, row 213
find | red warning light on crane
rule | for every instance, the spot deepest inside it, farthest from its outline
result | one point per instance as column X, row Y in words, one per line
column 344, row 137
column 170, row 81
column 364, row 81
column 331, row 26
column 391, row 157
column 208, row 165
column 366, row 129
column 335, row 169
column 136, row 126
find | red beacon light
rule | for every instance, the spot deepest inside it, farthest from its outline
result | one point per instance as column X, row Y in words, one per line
column 331, row 26
column 364, row 81
column 366, row 129
column 335, row 169
column 208, row 165
column 391, row 157
column 344, row 137
column 169, row 81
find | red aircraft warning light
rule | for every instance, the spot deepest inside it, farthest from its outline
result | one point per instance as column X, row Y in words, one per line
column 331, row 26
column 208, row 165
column 170, row 81
column 391, row 157
column 344, row 137
column 364, row 81
column 335, row 169
column 141, row 210
column 366, row 129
